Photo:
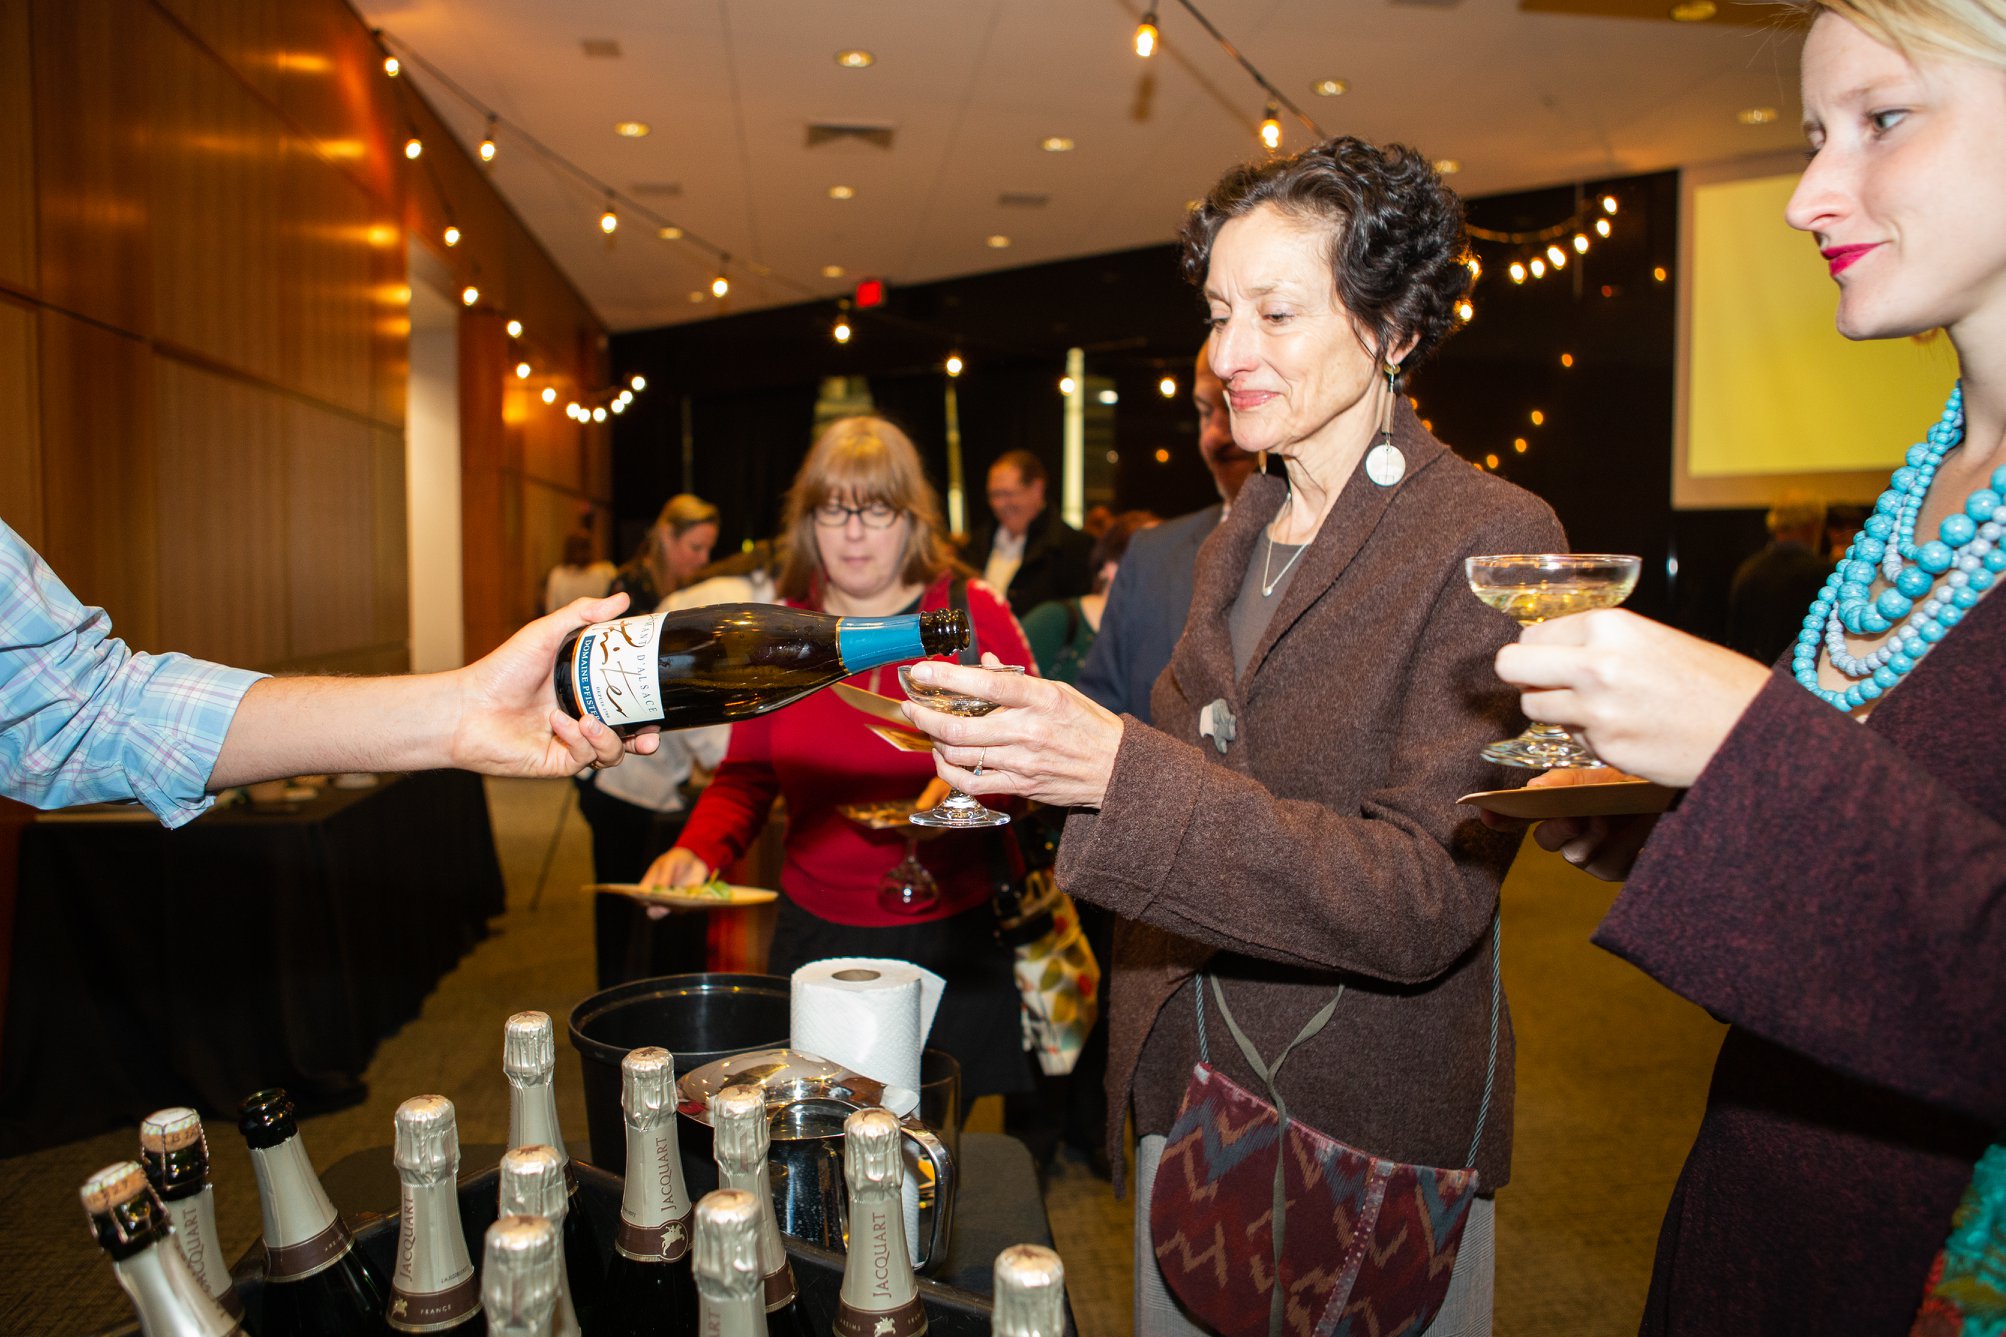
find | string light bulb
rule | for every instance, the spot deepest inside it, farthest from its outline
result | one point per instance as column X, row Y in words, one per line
column 1556, row 257
column 626, row 397
column 522, row 370
column 413, row 147
column 572, row 410
column 487, row 149
column 1602, row 228
column 609, row 221
column 599, row 414
column 1271, row 128
column 1167, row 387
column 515, row 329
column 619, row 406
column 1538, row 267
column 954, row 364
column 451, row 236
column 392, row 67
column 841, row 330
column 1146, row 36
column 1581, row 243
column 1517, row 272
column 719, row 286
column 1608, row 204
column 639, row 383
column 469, row 295
column 1466, row 311
column 1067, row 385
column 1476, row 268
column 549, row 395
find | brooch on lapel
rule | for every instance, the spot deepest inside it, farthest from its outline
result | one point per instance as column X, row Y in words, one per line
column 1216, row 722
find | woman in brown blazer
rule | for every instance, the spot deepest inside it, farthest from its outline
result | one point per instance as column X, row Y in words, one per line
column 1290, row 824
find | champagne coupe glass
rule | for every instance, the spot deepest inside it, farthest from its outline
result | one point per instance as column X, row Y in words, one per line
column 957, row 810
column 908, row 889
column 1531, row 587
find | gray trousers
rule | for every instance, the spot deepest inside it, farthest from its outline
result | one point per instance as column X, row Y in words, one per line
column 1466, row 1309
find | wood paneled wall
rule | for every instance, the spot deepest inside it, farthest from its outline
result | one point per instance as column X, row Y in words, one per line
column 204, row 207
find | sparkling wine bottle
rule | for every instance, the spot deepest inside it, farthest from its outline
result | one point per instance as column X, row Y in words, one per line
column 519, row 1277
column 175, row 1153
column 529, row 1058
column 649, row 1290
column 739, row 1140
column 317, row 1283
column 532, row 1184
column 433, row 1288
column 1030, row 1293
column 727, row 1265
column 131, row 1225
column 730, row 662
column 880, row 1297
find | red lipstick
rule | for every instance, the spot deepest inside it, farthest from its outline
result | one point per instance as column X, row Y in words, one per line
column 1842, row 257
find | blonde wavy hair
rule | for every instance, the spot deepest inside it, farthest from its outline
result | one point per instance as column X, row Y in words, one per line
column 1973, row 30
column 864, row 459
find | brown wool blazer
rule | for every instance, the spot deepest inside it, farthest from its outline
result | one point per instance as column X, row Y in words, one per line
column 1325, row 845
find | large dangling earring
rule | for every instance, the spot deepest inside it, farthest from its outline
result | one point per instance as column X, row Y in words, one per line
column 1384, row 464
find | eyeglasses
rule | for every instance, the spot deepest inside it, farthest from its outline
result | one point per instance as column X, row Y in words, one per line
column 877, row 515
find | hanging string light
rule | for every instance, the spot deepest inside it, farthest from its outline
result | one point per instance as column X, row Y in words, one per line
column 392, row 67
column 413, row 147
column 609, row 221
column 1517, row 271
column 1167, row 387
column 469, row 295
column 522, row 370
column 721, row 285
column 515, row 329
column 487, row 149
column 451, row 236
column 1146, row 36
column 841, row 331
column 639, row 383
column 550, row 396
column 1271, row 129
column 599, row 414
column 954, row 364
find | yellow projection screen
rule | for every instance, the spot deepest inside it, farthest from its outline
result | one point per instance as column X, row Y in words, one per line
column 1770, row 396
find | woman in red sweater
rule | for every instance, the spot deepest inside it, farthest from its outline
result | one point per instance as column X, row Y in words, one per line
column 865, row 538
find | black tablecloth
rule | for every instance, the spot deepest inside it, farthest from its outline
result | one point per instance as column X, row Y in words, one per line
column 247, row 949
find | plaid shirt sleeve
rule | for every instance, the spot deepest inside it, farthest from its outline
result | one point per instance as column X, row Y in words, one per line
column 84, row 719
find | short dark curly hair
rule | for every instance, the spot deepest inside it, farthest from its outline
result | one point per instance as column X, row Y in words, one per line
column 1399, row 254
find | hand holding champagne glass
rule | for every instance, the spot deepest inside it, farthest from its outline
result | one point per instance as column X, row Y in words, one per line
column 1538, row 587
column 957, row 810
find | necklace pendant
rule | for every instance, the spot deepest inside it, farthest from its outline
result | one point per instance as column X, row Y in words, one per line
column 1385, row 465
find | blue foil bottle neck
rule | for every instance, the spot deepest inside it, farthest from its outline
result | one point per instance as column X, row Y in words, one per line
column 866, row 642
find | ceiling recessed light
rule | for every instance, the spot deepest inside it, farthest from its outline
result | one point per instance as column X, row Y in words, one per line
column 1448, row 166
column 1330, row 87
column 832, row 271
column 669, row 233
column 855, row 60
column 842, row 192
column 1693, row 11
column 1756, row 115
column 1056, row 144
column 997, row 241
column 698, row 296
column 632, row 129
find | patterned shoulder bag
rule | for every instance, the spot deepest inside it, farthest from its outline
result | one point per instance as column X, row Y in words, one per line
column 1377, row 1238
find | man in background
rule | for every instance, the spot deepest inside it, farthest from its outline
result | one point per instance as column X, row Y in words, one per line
column 1773, row 589
column 1029, row 555
column 1151, row 595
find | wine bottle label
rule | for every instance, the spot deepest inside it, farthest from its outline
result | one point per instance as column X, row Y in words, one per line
column 613, row 673
column 780, row 1288
column 908, row 1320
column 666, row 1243
column 295, row 1262
column 434, row 1310
column 194, row 1227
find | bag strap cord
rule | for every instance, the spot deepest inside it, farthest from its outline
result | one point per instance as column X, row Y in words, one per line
column 1271, row 1074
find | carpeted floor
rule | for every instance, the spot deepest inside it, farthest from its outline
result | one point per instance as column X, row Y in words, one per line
column 1612, row 1073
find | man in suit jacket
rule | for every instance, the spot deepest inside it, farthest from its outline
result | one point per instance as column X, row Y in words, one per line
column 1029, row 555
column 1151, row 595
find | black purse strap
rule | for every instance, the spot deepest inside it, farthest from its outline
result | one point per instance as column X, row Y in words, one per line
column 1271, row 1073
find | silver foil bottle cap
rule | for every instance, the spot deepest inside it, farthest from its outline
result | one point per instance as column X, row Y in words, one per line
column 113, row 1186
column 872, row 1156
column 519, row 1272
column 529, row 1048
column 726, row 1258
column 739, row 1133
column 1030, row 1292
column 532, row 1183
column 648, row 1086
column 171, row 1130
column 428, row 1139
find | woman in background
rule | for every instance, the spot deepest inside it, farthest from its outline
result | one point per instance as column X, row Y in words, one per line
column 864, row 536
column 676, row 547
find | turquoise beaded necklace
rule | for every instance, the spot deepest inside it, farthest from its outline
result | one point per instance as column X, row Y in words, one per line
column 1966, row 555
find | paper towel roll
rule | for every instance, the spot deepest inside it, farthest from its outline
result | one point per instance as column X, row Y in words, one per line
column 866, row 1013
column 871, row 1015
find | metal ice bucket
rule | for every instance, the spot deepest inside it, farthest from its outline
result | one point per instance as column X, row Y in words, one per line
column 807, row 1099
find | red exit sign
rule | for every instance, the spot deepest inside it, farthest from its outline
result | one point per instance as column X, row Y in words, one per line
column 870, row 292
